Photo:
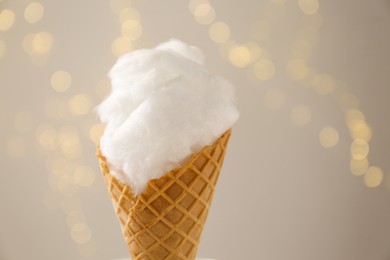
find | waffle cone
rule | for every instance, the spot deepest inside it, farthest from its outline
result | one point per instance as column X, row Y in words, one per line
column 166, row 220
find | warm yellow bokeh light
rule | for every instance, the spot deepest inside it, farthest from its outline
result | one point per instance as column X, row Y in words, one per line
column 80, row 233
column 354, row 116
column 131, row 30
column 204, row 14
column 84, row 176
column 297, row 69
column 359, row 167
column 129, row 14
column 361, row 131
column 70, row 142
column 79, row 104
column 239, row 56
column 34, row 12
column 264, row 69
column 255, row 50
column 23, row 121
column 329, row 137
column 16, row 147
column 96, row 132
column 323, row 84
column 2, row 48
column 219, row 32
column 300, row 115
column 7, row 19
column 121, row 46
column 274, row 99
column 359, row 149
column 42, row 42
column 47, row 137
column 373, row 177
column 195, row 3
column 309, row 7
column 61, row 80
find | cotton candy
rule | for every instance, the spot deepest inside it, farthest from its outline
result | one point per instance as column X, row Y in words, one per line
column 163, row 107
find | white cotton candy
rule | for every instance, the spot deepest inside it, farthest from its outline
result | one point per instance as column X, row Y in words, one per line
column 163, row 107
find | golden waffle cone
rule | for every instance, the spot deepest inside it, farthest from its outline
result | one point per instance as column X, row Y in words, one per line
column 166, row 220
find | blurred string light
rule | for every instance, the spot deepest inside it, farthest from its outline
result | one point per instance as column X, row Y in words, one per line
column 252, row 54
column 299, row 69
column 131, row 29
column 249, row 54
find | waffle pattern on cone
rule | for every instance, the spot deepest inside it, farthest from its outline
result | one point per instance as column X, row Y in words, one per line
column 166, row 220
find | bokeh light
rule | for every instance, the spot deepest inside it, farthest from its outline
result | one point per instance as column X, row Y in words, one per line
column 96, row 132
column 81, row 233
column 69, row 142
column 329, row 137
column 323, row 84
column 33, row 12
column 309, row 7
column 47, row 137
column 359, row 149
column 129, row 14
column 131, row 30
column 264, row 69
column 297, row 69
column 195, row 3
column 120, row 46
column 219, row 32
column 7, row 19
column 84, row 176
column 373, row 177
column 204, row 14
column 42, row 42
column 79, row 104
column 359, row 167
column 74, row 217
column 239, row 56
column 61, row 80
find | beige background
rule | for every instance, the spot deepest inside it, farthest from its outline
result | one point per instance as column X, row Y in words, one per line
column 281, row 195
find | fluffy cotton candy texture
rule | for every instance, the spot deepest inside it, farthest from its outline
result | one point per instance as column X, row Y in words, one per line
column 163, row 107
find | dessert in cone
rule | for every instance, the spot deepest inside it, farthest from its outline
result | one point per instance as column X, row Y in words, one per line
column 166, row 220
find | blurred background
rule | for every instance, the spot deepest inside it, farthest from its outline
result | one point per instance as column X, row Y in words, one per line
column 307, row 174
